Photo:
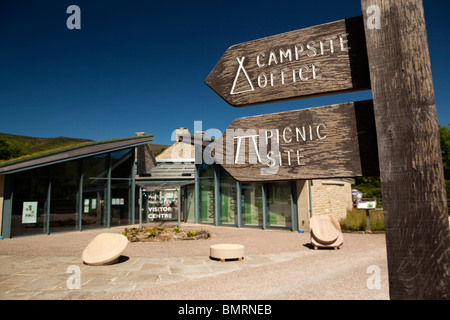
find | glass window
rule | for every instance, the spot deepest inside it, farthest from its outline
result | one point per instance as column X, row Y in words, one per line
column 122, row 163
column 162, row 205
column 64, row 204
column 95, row 167
column 94, row 191
column 60, row 184
column 70, row 169
column 121, row 174
column 228, row 209
column 120, row 208
column 252, row 204
column 95, row 173
column 279, row 204
column 136, row 204
column 94, row 210
column 207, row 206
column 190, row 204
column 29, row 205
column 64, row 196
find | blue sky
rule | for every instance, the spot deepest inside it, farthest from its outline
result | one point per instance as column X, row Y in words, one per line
column 141, row 65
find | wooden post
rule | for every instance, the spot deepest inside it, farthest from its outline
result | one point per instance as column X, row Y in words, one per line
column 414, row 198
column 368, row 220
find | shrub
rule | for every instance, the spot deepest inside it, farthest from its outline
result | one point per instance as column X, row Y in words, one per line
column 191, row 233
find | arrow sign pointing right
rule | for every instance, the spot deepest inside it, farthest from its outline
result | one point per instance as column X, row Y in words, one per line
column 324, row 59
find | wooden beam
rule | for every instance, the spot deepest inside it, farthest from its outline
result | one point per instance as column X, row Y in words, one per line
column 414, row 197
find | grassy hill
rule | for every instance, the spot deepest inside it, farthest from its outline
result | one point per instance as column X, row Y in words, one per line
column 31, row 145
column 23, row 145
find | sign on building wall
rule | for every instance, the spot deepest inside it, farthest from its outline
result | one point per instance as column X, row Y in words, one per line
column 162, row 205
column 29, row 212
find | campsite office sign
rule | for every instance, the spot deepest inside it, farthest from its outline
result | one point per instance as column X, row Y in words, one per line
column 328, row 58
column 333, row 58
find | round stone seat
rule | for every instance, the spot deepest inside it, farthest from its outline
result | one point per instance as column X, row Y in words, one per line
column 106, row 248
column 325, row 232
column 224, row 252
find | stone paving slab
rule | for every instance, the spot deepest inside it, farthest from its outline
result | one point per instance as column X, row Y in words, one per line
column 47, row 277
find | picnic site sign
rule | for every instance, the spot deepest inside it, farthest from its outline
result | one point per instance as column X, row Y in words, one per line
column 321, row 142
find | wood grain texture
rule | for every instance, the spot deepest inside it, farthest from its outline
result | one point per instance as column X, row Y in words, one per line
column 324, row 59
column 321, row 142
column 414, row 197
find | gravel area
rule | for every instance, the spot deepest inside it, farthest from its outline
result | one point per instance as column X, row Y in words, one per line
column 278, row 265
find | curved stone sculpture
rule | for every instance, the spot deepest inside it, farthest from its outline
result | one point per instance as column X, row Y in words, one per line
column 226, row 251
column 106, row 248
column 325, row 232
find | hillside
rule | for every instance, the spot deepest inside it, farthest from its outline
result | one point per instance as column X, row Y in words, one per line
column 30, row 145
column 17, row 146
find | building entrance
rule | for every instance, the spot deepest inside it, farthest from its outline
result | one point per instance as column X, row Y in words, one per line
column 162, row 202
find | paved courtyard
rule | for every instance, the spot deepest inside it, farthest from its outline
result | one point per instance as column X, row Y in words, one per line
column 277, row 265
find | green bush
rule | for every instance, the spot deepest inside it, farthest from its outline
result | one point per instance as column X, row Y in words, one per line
column 356, row 220
column 191, row 233
column 9, row 150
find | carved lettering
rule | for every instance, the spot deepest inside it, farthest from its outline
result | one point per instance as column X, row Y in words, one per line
column 301, row 63
column 291, row 137
column 309, row 72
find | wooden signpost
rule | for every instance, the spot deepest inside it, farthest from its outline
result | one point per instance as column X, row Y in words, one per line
column 321, row 142
column 328, row 58
column 412, row 178
column 336, row 141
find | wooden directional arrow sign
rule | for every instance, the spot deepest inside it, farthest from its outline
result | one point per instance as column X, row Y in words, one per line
column 324, row 59
column 322, row 142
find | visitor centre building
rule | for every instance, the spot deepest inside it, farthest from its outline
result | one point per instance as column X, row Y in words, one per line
column 122, row 182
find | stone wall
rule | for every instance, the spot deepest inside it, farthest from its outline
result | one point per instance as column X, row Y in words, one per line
column 331, row 197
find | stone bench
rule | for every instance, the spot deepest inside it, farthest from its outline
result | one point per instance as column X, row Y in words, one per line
column 325, row 232
column 224, row 252
column 106, row 248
